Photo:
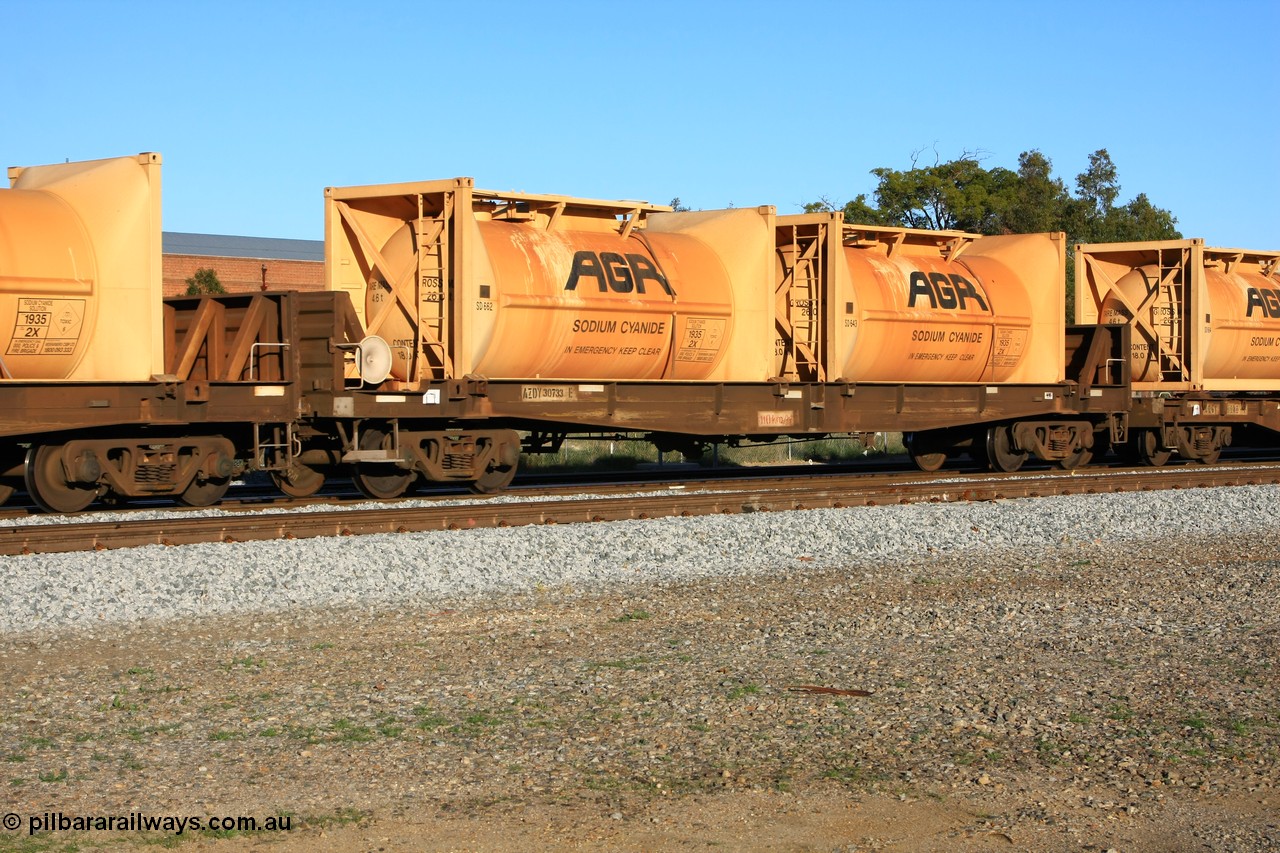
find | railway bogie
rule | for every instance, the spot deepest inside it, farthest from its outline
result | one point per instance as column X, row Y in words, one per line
column 66, row 476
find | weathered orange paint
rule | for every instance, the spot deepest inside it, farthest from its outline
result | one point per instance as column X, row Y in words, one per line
column 80, row 286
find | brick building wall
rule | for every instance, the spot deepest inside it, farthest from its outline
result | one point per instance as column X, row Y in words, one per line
column 240, row 275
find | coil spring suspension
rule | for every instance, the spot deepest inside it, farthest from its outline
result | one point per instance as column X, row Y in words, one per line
column 156, row 473
column 458, row 461
column 1060, row 441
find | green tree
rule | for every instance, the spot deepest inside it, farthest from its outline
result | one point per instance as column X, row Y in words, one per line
column 1142, row 220
column 1036, row 200
column 958, row 194
column 204, row 281
column 962, row 194
column 1093, row 216
column 1097, row 186
column 855, row 211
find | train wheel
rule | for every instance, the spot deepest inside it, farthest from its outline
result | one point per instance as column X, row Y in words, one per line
column 381, row 482
column 1000, row 453
column 378, row 480
column 47, row 482
column 1082, row 457
column 6, row 492
column 299, row 481
column 207, row 493
column 1149, row 450
column 493, row 480
column 1079, row 459
column 924, row 453
column 928, row 461
column 503, row 458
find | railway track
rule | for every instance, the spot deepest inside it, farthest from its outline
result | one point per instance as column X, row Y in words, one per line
column 707, row 498
column 253, row 497
column 259, row 496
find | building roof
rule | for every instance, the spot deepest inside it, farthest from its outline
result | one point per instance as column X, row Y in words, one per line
column 226, row 246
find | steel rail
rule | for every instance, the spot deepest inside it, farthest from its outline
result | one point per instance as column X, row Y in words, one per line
column 775, row 496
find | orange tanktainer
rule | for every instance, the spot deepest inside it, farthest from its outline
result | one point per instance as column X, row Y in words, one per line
column 908, row 305
column 80, row 286
column 1202, row 318
column 459, row 281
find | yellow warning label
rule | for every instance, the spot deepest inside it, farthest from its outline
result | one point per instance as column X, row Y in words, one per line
column 1010, row 344
column 47, row 327
column 701, row 339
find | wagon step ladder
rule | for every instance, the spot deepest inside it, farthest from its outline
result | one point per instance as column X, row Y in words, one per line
column 801, row 326
column 431, row 235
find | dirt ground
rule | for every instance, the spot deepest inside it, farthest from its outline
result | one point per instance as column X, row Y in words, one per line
column 1072, row 702
column 818, row 820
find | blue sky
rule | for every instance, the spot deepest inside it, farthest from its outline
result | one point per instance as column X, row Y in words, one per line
column 257, row 107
